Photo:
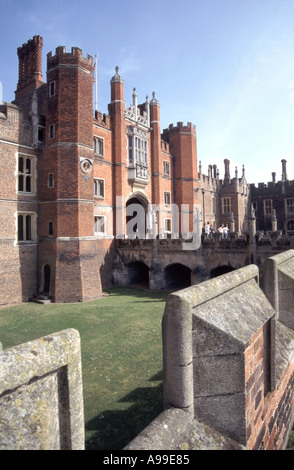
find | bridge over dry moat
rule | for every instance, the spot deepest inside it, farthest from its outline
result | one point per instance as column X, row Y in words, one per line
column 163, row 263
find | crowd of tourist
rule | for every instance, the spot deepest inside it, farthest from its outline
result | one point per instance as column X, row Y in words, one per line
column 208, row 230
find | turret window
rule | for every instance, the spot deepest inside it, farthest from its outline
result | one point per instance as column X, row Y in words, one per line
column 52, row 89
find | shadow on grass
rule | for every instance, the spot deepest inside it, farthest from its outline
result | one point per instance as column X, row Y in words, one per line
column 116, row 428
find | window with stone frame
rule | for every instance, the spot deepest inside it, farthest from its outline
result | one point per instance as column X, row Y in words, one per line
column 50, row 228
column 268, row 206
column 99, row 188
column 290, row 207
column 26, row 227
column 137, row 141
column 167, row 225
column 51, row 131
column 166, row 168
column 26, row 174
column 167, row 198
column 52, row 88
column 100, row 225
column 98, row 146
column 130, row 149
column 226, row 205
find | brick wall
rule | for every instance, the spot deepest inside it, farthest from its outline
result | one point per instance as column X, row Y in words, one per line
column 17, row 260
column 269, row 415
column 235, row 372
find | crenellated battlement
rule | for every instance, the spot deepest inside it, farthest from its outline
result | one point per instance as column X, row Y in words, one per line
column 180, row 128
column 72, row 58
column 102, row 120
column 272, row 186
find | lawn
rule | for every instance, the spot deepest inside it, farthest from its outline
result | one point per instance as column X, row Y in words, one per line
column 121, row 357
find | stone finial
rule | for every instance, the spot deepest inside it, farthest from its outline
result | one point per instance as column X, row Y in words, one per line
column 154, row 100
column 117, row 77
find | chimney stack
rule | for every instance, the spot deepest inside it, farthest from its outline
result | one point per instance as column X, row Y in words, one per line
column 284, row 170
column 29, row 67
column 227, row 169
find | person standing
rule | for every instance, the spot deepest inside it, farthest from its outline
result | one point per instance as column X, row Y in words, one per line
column 225, row 231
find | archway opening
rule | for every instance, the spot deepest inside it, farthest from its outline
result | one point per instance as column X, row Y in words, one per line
column 138, row 273
column 137, row 207
column 177, row 276
column 220, row 270
column 47, row 279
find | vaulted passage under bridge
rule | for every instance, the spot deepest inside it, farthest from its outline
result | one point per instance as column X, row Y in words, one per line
column 171, row 264
column 177, row 276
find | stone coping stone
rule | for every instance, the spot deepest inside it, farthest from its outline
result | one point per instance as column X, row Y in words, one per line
column 174, row 429
column 41, row 396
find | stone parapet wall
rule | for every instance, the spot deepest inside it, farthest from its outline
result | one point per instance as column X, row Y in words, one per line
column 41, row 397
column 228, row 363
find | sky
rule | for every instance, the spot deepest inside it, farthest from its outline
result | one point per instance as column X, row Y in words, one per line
column 226, row 66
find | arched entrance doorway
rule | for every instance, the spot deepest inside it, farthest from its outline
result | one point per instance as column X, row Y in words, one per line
column 177, row 276
column 46, row 279
column 138, row 273
column 136, row 215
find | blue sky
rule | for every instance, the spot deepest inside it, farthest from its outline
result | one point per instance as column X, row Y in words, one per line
column 226, row 66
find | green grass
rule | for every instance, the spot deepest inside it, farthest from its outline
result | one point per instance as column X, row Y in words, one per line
column 291, row 441
column 121, row 357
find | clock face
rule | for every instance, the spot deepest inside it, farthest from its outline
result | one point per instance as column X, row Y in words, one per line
column 86, row 165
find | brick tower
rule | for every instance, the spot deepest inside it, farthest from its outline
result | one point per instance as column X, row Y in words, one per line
column 156, row 149
column 182, row 140
column 119, row 144
column 67, row 249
